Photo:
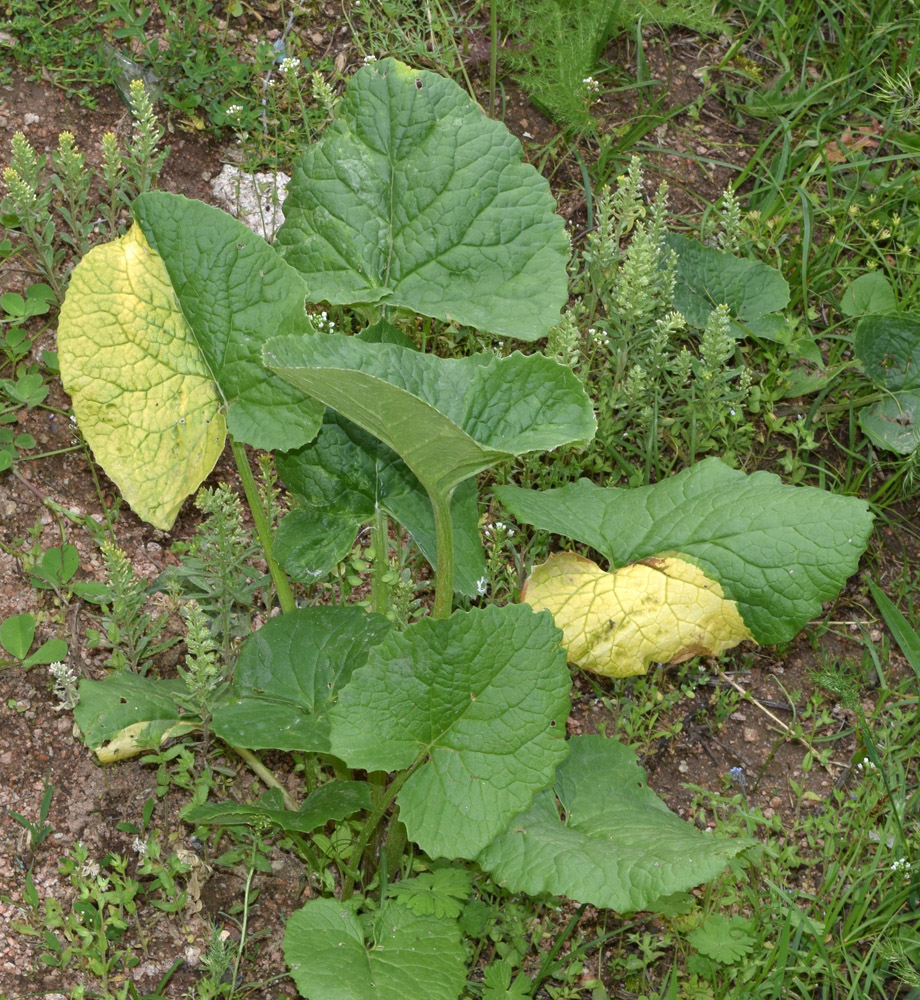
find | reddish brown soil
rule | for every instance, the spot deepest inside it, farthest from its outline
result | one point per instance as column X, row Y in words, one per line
column 37, row 743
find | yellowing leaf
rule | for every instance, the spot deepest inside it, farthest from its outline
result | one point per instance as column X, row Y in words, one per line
column 142, row 393
column 662, row 610
column 137, row 738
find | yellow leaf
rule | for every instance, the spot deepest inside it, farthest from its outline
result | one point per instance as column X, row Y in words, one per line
column 131, row 741
column 142, row 393
column 659, row 610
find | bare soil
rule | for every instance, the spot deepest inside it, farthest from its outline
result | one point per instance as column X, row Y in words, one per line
column 37, row 742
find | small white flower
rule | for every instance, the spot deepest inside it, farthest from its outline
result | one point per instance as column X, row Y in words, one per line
column 139, row 846
column 369, row 60
column 89, row 869
column 289, row 64
column 234, row 110
column 482, row 585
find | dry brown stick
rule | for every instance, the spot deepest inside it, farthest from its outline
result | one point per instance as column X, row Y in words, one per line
column 786, row 729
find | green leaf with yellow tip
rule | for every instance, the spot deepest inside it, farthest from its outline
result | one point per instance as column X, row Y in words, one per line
column 662, row 610
column 142, row 393
column 126, row 714
column 778, row 551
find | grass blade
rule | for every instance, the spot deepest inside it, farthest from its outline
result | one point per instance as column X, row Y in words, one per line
column 905, row 636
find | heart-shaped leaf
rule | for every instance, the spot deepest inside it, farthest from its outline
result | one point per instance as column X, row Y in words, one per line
column 415, row 198
column 476, row 703
column 893, row 423
column 869, row 293
column 889, row 348
column 617, row 844
column 288, row 674
column 409, row 955
column 777, row 551
column 17, row 633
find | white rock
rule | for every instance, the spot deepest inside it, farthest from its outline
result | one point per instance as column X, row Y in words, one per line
column 255, row 199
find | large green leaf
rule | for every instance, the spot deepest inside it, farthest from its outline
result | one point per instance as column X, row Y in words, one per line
column 778, row 551
column 707, row 277
column 617, row 845
column 289, row 672
column 408, row 955
column 235, row 292
column 142, row 392
column 446, row 418
column 340, row 480
column 889, row 348
column 414, row 198
column 477, row 704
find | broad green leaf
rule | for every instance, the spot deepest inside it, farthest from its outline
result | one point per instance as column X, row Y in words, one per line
column 869, row 293
column 416, row 199
column 441, row 893
column 889, row 348
column 384, row 332
column 707, row 278
column 655, row 610
column 235, row 292
column 309, row 542
column 616, row 845
column 777, row 551
column 49, row 651
column 408, row 955
column 334, row 800
column 17, row 633
column 289, row 672
column 893, row 423
column 340, row 480
column 126, row 714
column 478, row 703
column 723, row 939
column 446, row 418
column 142, row 393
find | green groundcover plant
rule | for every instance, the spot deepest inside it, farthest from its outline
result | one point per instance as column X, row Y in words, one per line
column 190, row 328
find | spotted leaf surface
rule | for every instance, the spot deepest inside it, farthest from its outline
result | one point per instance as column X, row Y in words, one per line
column 657, row 610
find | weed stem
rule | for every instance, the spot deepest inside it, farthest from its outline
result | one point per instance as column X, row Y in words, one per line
column 283, row 588
column 267, row 777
